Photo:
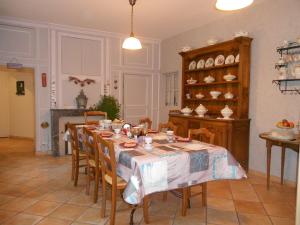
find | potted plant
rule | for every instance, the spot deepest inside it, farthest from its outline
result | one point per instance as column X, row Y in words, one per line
column 110, row 105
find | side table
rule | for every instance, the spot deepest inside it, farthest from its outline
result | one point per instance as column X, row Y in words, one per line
column 293, row 144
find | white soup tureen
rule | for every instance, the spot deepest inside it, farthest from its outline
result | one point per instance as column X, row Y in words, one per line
column 201, row 110
column 209, row 79
column 228, row 95
column 226, row 112
column 186, row 111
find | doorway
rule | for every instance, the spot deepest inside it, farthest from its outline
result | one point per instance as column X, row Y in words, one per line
column 17, row 99
column 137, row 101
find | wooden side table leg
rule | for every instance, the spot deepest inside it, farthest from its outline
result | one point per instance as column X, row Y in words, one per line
column 269, row 148
column 282, row 163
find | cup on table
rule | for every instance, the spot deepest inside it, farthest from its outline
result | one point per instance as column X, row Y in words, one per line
column 117, row 131
column 170, row 136
column 148, row 140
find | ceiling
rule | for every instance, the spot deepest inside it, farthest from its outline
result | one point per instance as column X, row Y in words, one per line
column 153, row 18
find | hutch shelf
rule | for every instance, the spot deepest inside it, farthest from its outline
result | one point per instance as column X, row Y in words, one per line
column 234, row 133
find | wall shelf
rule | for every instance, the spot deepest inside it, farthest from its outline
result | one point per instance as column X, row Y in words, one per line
column 284, row 88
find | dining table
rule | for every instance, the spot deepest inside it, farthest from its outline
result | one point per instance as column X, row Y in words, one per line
column 166, row 166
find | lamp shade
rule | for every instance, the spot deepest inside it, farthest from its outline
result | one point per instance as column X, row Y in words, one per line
column 132, row 43
column 228, row 5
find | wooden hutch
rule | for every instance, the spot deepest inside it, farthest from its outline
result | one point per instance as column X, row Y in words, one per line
column 232, row 134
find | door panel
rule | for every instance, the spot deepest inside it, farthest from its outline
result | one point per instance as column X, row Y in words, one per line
column 4, row 99
column 136, row 97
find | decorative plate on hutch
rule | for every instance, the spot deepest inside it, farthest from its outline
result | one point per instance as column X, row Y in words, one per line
column 219, row 60
column 200, row 64
column 237, row 58
column 209, row 62
column 192, row 65
column 229, row 59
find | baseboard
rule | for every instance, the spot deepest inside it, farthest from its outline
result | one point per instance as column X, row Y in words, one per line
column 272, row 178
column 24, row 138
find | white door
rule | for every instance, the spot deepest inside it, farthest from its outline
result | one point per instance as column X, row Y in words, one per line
column 137, row 92
column 4, row 101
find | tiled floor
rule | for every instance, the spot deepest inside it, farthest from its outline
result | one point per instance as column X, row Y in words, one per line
column 38, row 190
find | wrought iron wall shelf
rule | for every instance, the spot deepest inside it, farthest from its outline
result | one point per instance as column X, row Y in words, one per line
column 284, row 88
column 285, row 49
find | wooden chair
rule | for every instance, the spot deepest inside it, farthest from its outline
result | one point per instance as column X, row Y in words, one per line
column 206, row 136
column 147, row 121
column 169, row 125
column 110, row 177
column 77, row 154
column 93, row 113
column 93, row 162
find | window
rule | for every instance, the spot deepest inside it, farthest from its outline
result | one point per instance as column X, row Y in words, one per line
column 171, row 89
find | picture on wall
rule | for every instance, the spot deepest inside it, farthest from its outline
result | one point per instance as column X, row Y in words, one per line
column 20, row 88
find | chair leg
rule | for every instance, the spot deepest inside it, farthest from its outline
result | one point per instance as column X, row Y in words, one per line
column 113, row 204
column 184, row 201
column 88, row 179
column 96, row 186
column 145, row 209
column 204, row 194
column 103, row 207
column 73, row 167
column 76, row 172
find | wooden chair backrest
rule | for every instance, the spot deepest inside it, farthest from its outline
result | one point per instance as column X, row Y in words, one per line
column 93, row 113
column 90, row 146
column 204, row 135
column 74, row 138
column 169, row 125
column 108, row 159
column 147, row 121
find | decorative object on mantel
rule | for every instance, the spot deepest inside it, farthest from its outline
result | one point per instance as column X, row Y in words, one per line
column 81, row 100
column 108, row 104
column 81, row 82
column 288, row 67
column 132, row 43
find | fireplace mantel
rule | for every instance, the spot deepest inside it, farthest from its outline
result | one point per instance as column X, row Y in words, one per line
column 55, row 115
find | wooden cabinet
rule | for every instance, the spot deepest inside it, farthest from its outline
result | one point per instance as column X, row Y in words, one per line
column 232, row 134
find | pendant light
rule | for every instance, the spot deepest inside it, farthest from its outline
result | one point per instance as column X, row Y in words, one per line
column 228, row 5
column 132, row 43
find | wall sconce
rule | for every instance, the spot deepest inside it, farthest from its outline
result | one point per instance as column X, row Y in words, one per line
column 115, row 84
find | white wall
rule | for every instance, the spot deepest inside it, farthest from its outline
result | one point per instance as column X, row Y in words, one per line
column 268, row 24
column 63, row 51
column 4, row 99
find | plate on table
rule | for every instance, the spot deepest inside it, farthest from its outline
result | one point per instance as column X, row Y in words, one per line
column 200, row 64
column 130, row 144
column 209, row 62
column 182, row 139
column 229, row 59
column 106, row 134
column 237, row 58
column 150, row 131
column 192, row 65
column 219, row 60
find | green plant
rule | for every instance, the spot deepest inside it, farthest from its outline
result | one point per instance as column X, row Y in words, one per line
column 110, row 105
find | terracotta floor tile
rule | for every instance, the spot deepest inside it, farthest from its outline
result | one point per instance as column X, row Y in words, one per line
column 68, row 212
column 282, row 221
column 54, row 221
column 195, row 216
column 220, row 203
column 24, row 219
column 252, row 219
column 5, row 215
column 82, row 199
column 5, row 198
column 42, row 208
column 221, row 217
column 59, row 196
column 249, row 207
column 92, row 216
column 280, row 210
column 18, row 204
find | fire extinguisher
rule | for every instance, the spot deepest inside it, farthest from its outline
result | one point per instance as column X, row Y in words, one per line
column 44, row 80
